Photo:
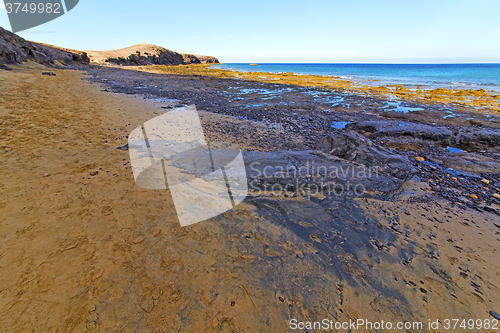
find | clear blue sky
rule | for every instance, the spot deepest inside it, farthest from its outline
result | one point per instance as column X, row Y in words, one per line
column 403, row 31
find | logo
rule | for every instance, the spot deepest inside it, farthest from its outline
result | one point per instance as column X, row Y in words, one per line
column 28, row 14
column 170, row 151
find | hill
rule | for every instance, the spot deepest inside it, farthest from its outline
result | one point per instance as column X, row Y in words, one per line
column 147, row 54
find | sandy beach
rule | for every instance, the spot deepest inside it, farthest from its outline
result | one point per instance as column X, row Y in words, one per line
column 85, row 249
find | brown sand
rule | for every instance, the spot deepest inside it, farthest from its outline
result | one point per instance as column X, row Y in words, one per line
column 97, row 253
column 83, row 252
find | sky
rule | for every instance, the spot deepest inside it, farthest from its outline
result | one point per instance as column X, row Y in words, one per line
column 318, row 31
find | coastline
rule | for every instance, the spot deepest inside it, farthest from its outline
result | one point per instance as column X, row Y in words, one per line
column 98, row 253
column 426, row 76
column 469, row 100
column 299, row 119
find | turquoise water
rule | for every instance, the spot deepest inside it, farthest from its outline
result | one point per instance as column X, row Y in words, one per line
column 461, row 76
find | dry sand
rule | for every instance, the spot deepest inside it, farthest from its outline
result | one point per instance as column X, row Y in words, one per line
column 97, row 253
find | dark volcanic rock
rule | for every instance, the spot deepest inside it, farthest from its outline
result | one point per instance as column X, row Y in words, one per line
column 15, row 50
column 299, row 171
column 138, row 59
column 472, row 163
column 478, row 136
column 495, row 315
column 198, row 59
column 397, row 129
column 356, row 148
column 471, row 137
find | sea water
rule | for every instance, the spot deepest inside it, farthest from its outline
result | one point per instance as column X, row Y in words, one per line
column 455, row 76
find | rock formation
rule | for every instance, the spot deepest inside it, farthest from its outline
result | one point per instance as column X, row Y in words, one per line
column 351, row 146
column 15, row 50
column 394, row 131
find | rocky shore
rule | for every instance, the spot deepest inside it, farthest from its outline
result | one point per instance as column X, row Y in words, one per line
column 434, row 198
column 303, row 119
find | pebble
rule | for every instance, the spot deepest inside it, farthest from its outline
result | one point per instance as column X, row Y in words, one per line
column 300, row 255
column 156, row 231
column 496, row 196
column 486, row 181
column 473, row 196
column 423, row 290
column 90, row 307
column 46, row 174
column 92, row 317
column 435, row 218
column 281, row 299
column 495, row 315
column 93, row 173
column 215, row 323
column 398, row 229
column 421, row 159
column 123, row 147
column 233, row 303
column 49, row 74
column 138, row 239
column 491, row 209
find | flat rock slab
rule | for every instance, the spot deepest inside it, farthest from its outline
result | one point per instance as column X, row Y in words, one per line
column 472, row 163
column 482, row 136
column 359, row 150
column 315, row 170
column 344, row 162
column 395, row 128
column 466, row 137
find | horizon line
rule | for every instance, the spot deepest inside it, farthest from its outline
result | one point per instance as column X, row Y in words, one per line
column 366, row 63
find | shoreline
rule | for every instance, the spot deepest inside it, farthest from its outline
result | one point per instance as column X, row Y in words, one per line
column 475, row 101
column 373, row 78
column 296, row 120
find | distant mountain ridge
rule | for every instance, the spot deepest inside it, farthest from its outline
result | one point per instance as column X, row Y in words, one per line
column 148, row 54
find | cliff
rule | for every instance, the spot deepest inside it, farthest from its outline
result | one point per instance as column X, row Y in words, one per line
column 15, row 50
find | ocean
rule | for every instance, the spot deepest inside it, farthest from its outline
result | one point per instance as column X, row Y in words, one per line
column 456, row 76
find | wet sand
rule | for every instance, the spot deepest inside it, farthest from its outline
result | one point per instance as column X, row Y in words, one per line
column 97, row 253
